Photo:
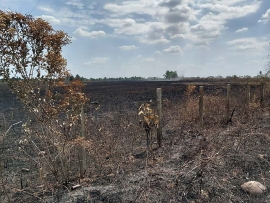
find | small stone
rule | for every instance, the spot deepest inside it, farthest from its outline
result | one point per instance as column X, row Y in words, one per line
column 76, row 187
column 253, row 187
column 25, row 170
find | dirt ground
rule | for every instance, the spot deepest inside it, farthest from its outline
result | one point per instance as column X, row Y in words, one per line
column 194, row 164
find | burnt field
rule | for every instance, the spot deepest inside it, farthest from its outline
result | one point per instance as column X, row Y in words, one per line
column 194, row 163
column 127, row 93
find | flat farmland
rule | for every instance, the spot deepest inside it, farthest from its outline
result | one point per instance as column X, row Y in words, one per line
column 195, row 163
column 127, row 93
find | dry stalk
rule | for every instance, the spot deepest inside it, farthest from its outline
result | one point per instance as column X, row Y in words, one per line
column 149, row 121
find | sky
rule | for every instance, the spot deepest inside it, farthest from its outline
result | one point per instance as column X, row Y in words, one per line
column 145, row 38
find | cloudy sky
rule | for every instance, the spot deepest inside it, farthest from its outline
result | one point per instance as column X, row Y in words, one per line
column 124, row 38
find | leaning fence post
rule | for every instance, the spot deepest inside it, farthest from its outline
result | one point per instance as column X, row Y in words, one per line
column 159, row 112
column 201, row 106
column 82, row 156
column 228, row 102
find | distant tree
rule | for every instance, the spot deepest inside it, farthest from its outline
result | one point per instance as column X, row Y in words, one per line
column 170, row 74
column 84, row 79
column 71, row 78
column 77, row 77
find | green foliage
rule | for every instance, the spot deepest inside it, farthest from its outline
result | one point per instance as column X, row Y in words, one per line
column 71, row 78
column 170, row 74
column 77, row 77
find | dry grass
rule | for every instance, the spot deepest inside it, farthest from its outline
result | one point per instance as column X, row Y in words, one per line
column 194, row 164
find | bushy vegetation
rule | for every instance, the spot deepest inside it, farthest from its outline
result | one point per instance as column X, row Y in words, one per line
column 170, row 74
column 31, row 50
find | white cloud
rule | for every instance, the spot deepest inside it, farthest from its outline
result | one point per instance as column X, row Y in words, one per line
column 140, row 7
column 211, row 25
column 127, row 48
column 205, row 32
column 126, row 26
column 265, row 17
column 173, row 49
column 145, row 32
column 98, row 60
column 197, row 28
column 242, row 30
column 171, row 19
column 182, row 13
column 69, row 16
column 51, row 19
column 249, row 43
column 161, row 40
column 177, row 29
column 148, row 31
column 245, row 47
column 75, row 3
column 46, row 9
column 231, row 12
column 178, row 36
column 93, row 34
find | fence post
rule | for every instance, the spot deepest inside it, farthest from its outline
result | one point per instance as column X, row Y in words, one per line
column 159, row 112
column 82, row 156
column 201, row 106
column 262, row 93
column 248, row 95
column 228, row 103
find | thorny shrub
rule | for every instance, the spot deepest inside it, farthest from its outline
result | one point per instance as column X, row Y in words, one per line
column 32, row 64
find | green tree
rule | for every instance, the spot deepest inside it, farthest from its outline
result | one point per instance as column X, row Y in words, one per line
column 77, row 77
column 170, row 74
column 71, row 78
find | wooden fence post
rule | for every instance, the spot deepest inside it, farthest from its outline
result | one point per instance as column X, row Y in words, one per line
column 248, row 95
column 82, row 155
column 262, row 88
column 159, row 112
column 228, row 103
column 201, row 106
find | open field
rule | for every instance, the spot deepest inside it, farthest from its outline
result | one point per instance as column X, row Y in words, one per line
column 194, row 164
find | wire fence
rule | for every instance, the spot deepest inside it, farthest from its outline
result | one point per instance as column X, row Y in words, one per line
column 117, row 138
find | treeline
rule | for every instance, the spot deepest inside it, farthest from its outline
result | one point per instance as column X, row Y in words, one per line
column 83, row 79
column 135, row 78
